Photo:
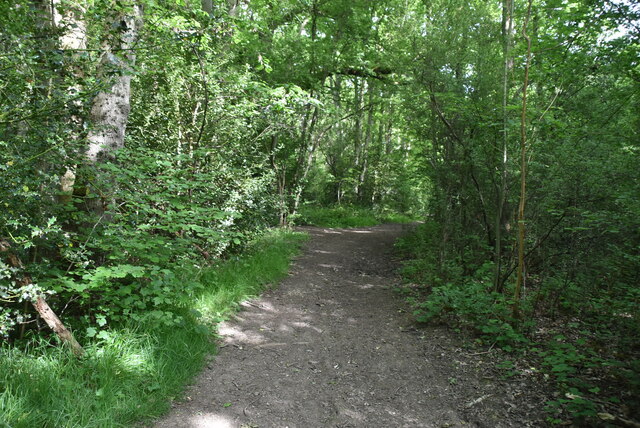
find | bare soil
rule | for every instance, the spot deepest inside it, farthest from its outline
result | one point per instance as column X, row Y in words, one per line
column 334, row 346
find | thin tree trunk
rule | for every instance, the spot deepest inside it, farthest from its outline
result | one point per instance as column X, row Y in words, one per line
column 357, row 135
column 507, row 36
column 377, row 193
column 281, row 182
column 367, row 142
column 314, row 142
column 523, row 171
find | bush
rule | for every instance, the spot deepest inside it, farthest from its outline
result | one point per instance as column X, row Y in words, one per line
column 472, row 304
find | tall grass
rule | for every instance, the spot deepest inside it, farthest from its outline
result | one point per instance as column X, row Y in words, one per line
column 131, row 375
column 347, row 216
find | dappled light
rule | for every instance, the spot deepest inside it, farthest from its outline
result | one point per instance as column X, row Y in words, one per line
column 209, row 420
column 324, row 350
column 332, row 232
column 164, row 163
column 369, row 286
column 236, row 336
column 334, row 267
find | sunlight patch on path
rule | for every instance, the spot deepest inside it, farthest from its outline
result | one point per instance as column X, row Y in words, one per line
column 210, row 420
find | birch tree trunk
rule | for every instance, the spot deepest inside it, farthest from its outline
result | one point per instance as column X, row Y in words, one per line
column 40, row 304
column 69, row 17
column 110, row 108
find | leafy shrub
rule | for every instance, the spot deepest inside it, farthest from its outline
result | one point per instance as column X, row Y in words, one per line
column 138, row 257
column 472, row 304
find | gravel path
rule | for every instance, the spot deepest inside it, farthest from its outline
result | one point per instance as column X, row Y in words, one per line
column 332, row 346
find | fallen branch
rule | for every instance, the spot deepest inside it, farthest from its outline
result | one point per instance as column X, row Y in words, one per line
column 477, row 401
column 57, row 326
column 617, row 420
column 41, row 306
column 484, row 352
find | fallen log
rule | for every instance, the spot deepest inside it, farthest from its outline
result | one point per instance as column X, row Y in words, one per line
column 41, row 305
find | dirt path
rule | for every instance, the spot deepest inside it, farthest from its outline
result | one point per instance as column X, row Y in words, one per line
column 332, row 346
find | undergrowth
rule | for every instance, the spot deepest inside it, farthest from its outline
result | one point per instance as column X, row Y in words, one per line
column 346, row 216
column 131, row 371
column 586, row 349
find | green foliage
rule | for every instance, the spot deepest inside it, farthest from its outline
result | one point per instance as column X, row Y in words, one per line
column 421, row 263
column 346, row 216
column 582, row 240
column 584, row 359
column 165, row 220
column 472, row 304
column 132, row 369
column 581, row 409
column 336, row 217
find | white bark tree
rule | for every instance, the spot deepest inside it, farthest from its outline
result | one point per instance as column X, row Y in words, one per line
column 110, row 108
column 70, row 18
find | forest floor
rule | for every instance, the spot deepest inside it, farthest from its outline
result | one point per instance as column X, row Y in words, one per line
column 334, row 345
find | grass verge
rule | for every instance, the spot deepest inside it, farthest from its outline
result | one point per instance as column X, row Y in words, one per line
column 347, row 216
column 131, row 375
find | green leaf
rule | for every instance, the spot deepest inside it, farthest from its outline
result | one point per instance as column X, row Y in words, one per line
column 101, row 320
column 104, row 335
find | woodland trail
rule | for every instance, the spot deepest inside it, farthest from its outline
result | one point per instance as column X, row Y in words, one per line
column 333, row 346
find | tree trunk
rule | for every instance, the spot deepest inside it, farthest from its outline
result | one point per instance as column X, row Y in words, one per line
column 312, row 143
column 281, row 182
column 523, row 171
column 207, row 6
column 357, row 133
column 56, row 325
column 501, row 194
column 367, row 142
column 110, row 109
column 70, row 18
